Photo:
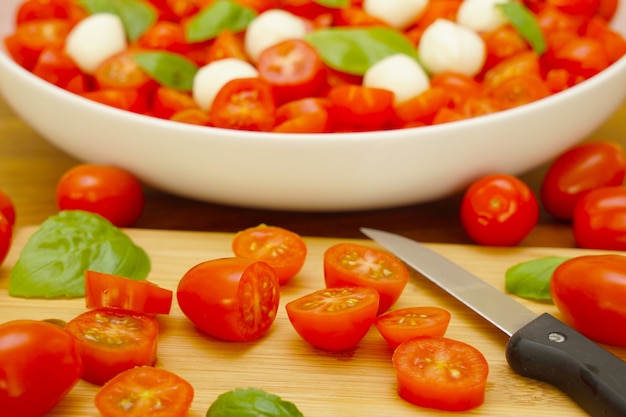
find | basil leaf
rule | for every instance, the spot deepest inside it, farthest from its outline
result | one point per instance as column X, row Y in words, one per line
column 137, row 16
column 355, row 50
column 532, row 279
column 168, row 69
column 54, row 260
column 223, row 14
column 334, row 4
column 251, row 402
column 524, row 21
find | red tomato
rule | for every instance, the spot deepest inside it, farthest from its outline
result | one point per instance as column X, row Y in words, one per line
column 111, row 192
column 356, row 105
column 122, row 71
column 424, row 106
column 613, row 43
column 165, row 36
column 523, row 63
column 599, row 220
column 233, row 299
column 502, row 43
column 582, row 56
column 282, row 249
column 440, row 373
column 579, row 170
column 122, row 98
column 499, row 210
column 145, row 391
column 194, row 116
column 226, row 45
column 297, row 108
column 56, row 67
column 607, row 9
column 113, row 291
column 312, row 122
column 32, row 37
column 168, row 101
column 244, row 104
column 518, row 90
column 397, row 326
column 461, row 87
column 334, row 319
column 41, row 9
column 352, row 264
column 6, row 237
column 7, row 208
column 40, row 364
column 589, row 292
column 112, row 340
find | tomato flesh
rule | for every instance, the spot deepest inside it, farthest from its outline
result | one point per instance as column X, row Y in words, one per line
column 397, row 326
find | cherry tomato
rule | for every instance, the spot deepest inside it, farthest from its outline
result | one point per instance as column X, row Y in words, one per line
column 40, row 364
column 579, row 170
column 589, row 292
column 145, row 391
column 613, row 43
column 164, row 35
column 502, row 43
column 112, row 340
column 519, row 90
column 168, row 102
column 352, row 264
column 523, row 63
column 397, row 326
column 356, row 105
column 113, row 291
column 226, row 45
column 6, row 237
column 440, row 373
column 599, row 220
column 334, row 319
column 121, row 98
column 459, row 86
column 499, row 210
column 233, row 299
column 111, row 192
column 282, row 249
column 122, row 71
column 32, row 37
column 7, row 208
column 424, row 106
column 312, row 122
column 582, row 56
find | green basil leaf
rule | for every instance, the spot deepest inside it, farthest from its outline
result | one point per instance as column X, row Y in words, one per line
column 137, row 16
column 223, row 14
column 251, row 402
column 334, row 4
column 53, row 262
column 168, row 69
column 355, row 50
column 531, row 279
column 524, row 21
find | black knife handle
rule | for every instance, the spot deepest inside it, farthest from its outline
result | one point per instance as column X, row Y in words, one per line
column 548, row 350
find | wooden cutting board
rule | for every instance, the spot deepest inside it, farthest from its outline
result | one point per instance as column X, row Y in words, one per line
column 359, row 382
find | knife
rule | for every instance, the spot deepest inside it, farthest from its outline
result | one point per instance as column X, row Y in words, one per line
column 539, row 347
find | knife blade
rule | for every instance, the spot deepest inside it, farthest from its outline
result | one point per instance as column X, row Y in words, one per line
column 540, row 347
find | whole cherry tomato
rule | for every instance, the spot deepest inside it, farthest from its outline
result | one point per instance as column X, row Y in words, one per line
column 499, row 210
column 599, row 220
column 7, row 220
column 39, row 365
column 7, row 208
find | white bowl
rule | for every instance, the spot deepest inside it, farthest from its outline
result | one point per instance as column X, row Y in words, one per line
column 317, row 172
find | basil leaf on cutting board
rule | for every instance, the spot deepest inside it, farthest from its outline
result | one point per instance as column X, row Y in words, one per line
column 251, row 402
column 222, row 15
column 53, row 262
column 524, row 21
column 137, row 16
column 168, row 69
column 531, row 279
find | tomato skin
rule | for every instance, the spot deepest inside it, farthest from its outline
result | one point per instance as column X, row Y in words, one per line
column 40, row 365
column 397, row 326
column 589, row 292
column 599, row 220
column 359, row 106
column 7, row 208
column 499, row 210
column 233, row 299
column 577, row 171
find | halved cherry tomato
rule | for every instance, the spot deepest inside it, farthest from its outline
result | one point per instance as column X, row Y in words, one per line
column 502, row 43
column 56, row 67
column 300, row 107
column 352, row 264
column 582, row 56
column 41, row 9
column 259, row 5
column 233, row 299
column 121, row 98
column 334, row 319
column 459, row 86
column 32, row 37
column 518, row 90
column 164, row 35
column 613, row 43
column 599, row 221
column 308, row 9
column 356, row 105
column 145, row 391
column 193, row 116
column 226, row 45
column 282, row 249
column 112, row 340
column 122, row 71
column 168, row 101
column 523, row 63
column 440, row 373
column 314, row 122
column 244, row 104
column 397, row 326
column 114, row 291
column 424, row 106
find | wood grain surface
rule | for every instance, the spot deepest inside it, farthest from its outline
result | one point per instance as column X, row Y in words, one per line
column 359, row 382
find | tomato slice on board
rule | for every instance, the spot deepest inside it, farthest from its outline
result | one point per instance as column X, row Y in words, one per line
column 113, row 291
column 359, row 106
column 440, row 373
column 334, row 319
column 397, row 326
column 352, row 264
column 145, row 391
column 282, row 249
column 111, row 341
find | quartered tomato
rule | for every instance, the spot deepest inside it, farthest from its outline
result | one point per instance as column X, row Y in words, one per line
column 599, row 221
column 397, row 326
column 351, row 264
column 334, row 319
column 440, row 373
column 112, row 340
column 244, row 104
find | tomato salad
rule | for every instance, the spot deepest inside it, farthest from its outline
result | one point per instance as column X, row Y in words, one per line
column 314, row 66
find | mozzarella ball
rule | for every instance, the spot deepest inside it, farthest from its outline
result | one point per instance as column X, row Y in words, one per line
column 272, row 27
column 481, row 15
column 95, row 39
column 397, row 13
column 400, row 74
column 210, row 79
column 448, row 46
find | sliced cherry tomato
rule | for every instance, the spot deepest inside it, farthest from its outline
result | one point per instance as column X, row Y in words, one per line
column 499, row 210
column 259, row 5
column 334, row 319
column 308, row 9
column 112, row 340
column 122, row 71
column 460, row 86
column 244, row 104
column 424, row 106
column 356, row 105
column 397, row 326
column 164, row 35
column 7, row 208
column 193, row 116
column 607, row 9
column 128, row 99
column 297, row 108
column 353, row 264
column 282, row 249
column 111, row 192
column 523, row 63
column 145, row 391
column 40, row 365
column 577, row 171
column 168, row 101
column 226, row 45
column 32, row 37
column 440, row 373
column 41, row 9
column 357, row 17
column 114, row 291
column 613, row 43
column 502, row 43
column 56, row 67
column 233, row 299
column 314, row 122
column 582, row 56
column 518, row 90
column 599, row 221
